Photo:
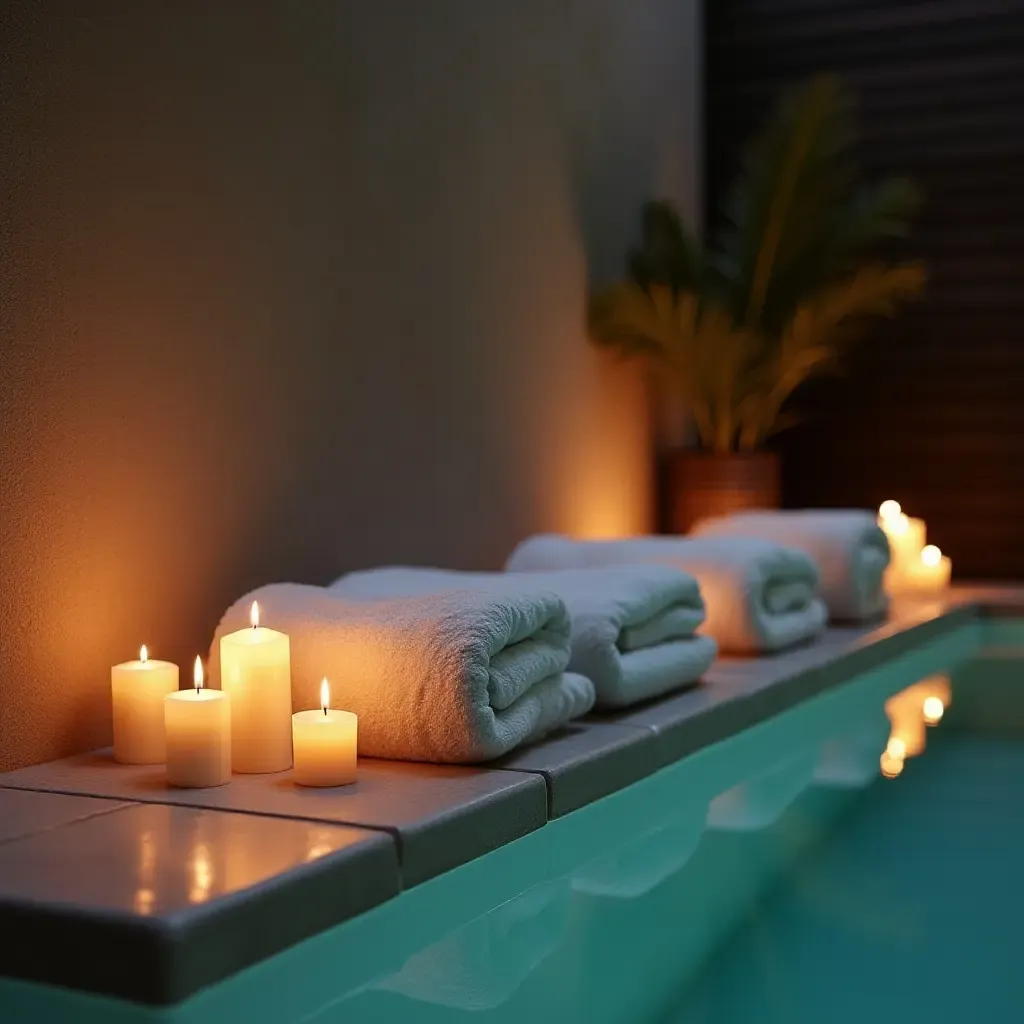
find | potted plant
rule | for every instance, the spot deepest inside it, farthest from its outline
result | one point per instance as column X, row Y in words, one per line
column 791, row 276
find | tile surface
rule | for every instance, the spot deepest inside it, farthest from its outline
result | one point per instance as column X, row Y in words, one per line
column 153, row 902
column 441, row 815
column 738, row 692
column 24, row 814
column 587, row 761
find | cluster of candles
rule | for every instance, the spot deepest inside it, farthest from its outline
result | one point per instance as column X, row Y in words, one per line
column 247, row 726
column 910, row 711
column 915, row 565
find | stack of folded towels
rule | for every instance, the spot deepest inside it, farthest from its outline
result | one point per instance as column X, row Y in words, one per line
column 632, row 628
column 759, row 595
column 463, row 667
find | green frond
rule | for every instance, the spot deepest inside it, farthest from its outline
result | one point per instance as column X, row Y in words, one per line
column 815, row 336
column 794, row 176
column 667, row 254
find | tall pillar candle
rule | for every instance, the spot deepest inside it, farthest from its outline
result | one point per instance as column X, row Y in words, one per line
column 137, row 691
column 255, row 671
column 198, row 726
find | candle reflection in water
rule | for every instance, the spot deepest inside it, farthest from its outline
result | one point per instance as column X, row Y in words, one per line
column 910, row 711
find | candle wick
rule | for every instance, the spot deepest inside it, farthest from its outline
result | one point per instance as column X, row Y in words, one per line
column 325, row 709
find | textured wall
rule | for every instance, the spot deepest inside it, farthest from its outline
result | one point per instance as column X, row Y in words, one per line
column 294, row 288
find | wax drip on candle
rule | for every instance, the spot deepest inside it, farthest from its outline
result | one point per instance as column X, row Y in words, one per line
column 143, row 654
column 197, row 674
column 325, row 695
column 254, row 615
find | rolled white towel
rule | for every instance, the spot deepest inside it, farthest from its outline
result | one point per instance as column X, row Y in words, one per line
column 461, row 676
column 759, row 596
column 848, row 545
column 632, row 626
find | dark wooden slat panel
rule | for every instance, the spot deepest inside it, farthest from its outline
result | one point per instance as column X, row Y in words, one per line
column 931, row 410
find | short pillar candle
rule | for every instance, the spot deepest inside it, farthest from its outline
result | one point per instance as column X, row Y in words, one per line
column 255, row 671
column 137, row 691
column 931, row 571
column 325, row 744
column 198, row 726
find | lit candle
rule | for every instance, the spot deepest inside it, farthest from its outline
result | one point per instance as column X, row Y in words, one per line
column 931, row 571
column 906, row 538
column 325, row 744
column 137, row 690
column 255, row 670
column 198, row 727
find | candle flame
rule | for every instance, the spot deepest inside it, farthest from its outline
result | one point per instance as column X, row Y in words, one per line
column 931, row 555
column 891, row 766
column 143, row 654
column 889, row 510
column 254, row 615
column 197, row 673
column 325, row 695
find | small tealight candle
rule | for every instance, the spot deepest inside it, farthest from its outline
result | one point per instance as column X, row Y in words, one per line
column 255, row 670
column 198, row 726
column 931, row 571
column 137, row 691
column 325, row 744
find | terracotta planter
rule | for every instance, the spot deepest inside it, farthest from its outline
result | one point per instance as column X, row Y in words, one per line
column 702, row 484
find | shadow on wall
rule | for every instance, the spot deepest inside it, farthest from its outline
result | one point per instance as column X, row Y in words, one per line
column 292, row 289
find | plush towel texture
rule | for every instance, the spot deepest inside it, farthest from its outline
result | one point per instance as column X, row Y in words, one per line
column 632, row 626
column 759, row 596
column 461, row 676
column 848, row 545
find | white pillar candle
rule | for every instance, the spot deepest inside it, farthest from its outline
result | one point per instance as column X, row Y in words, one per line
column 906, row 539
column 137, row 691
column 255, row 671
column 198, row 727
column 325, row 744
column 930, row 572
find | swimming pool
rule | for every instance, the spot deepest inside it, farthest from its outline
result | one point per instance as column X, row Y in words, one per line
column 771, row 876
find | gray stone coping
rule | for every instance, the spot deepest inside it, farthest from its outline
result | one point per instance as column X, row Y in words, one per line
column 399, row 825
column 440, row 816
column 151, row 902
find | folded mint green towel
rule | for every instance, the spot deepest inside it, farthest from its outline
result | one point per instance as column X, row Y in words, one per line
column 633, row 627
column 848, row 546
column 760, row 596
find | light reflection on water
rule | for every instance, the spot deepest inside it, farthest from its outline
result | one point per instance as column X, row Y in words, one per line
column 911, row 712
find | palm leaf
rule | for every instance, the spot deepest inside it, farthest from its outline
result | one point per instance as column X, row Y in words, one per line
column 815, row 336
column 795, row 174
column 667, row 254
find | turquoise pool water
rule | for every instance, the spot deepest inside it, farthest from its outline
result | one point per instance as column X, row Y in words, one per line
column 911, row 909
column 771, row 877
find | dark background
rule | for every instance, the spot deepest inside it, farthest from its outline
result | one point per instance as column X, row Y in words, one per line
column 931, row 410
